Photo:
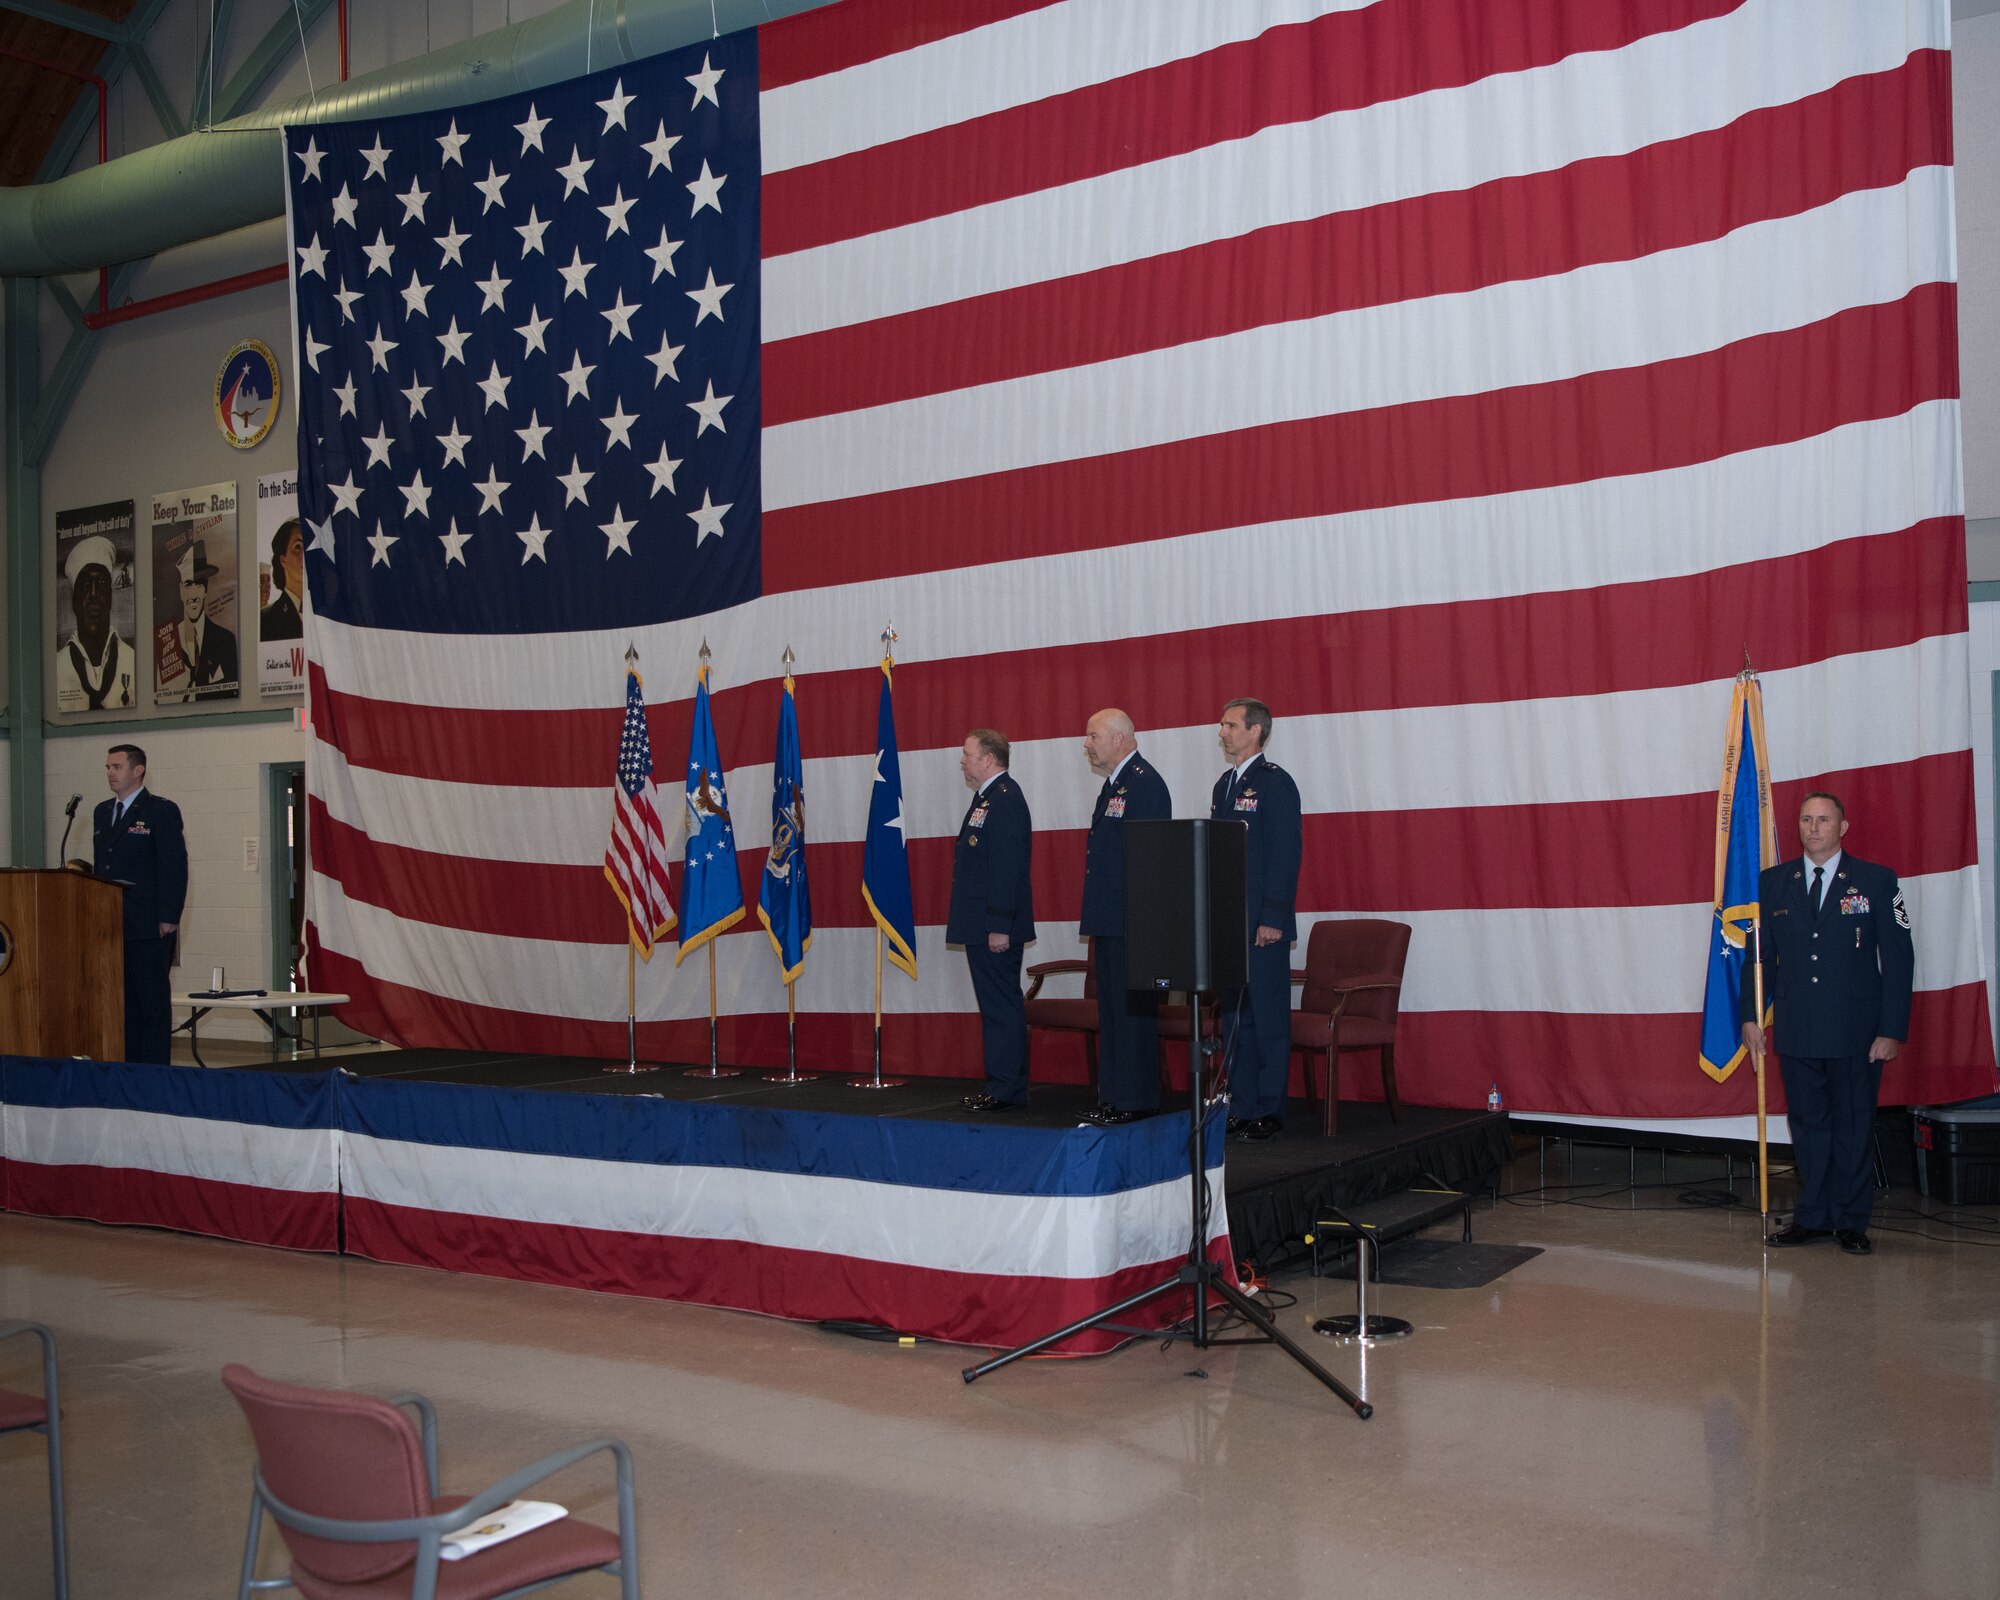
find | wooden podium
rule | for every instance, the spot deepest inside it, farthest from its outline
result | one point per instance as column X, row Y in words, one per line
column 62, row 965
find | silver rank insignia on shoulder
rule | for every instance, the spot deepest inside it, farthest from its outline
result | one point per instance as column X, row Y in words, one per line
column 1902, row 911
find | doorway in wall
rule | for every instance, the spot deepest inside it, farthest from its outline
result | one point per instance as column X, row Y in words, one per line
column 286, row 831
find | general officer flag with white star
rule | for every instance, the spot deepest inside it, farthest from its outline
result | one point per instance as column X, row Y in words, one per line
column 528, row 349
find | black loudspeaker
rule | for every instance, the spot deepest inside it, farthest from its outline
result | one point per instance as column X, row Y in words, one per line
column 1186, row 924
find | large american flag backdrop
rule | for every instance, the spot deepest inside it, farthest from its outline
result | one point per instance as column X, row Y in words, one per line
column 1474, row 383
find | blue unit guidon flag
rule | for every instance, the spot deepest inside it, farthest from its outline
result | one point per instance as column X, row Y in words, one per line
column 1745, row 845
column 1428, row 371
column 711, row 887
column 784, row 894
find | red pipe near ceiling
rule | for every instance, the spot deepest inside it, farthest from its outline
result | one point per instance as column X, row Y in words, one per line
column 185, row 297
column 103, row 88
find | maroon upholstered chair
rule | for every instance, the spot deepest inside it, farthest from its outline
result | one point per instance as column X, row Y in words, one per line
column 1062, row 1015
column 1353, row 984
column 42, row 1413
column 354, row 1492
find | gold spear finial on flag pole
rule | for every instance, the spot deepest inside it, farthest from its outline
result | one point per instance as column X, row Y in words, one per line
column 788, row 658
column 631, row 655
column 889, row 637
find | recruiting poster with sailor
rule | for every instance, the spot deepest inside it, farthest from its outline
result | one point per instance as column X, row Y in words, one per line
column 281, row 587
column 194, row 594
column 97, row 609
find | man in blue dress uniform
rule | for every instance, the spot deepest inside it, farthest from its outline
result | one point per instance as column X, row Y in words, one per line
column 1128, row 1029
column 1257, row 1020
column 136, row 839
column 993, row 913
column 1838, row 969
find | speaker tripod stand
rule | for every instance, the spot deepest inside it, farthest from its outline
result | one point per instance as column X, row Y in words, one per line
column 1199, row 1275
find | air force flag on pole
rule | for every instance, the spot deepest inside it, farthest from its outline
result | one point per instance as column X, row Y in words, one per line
column 784, row 902
column 711, row 892
column 1744, row 846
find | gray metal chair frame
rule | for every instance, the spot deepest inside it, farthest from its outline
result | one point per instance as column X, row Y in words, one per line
column 51, row 1430
column 430, row 1532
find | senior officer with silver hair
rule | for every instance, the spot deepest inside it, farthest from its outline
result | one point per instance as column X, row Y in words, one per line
column 1128, row 1027
column 1839, row 965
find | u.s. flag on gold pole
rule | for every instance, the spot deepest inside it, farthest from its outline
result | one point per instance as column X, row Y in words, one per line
column 1744, row 846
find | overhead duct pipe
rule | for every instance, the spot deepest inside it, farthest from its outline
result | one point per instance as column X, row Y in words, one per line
column 232, row 175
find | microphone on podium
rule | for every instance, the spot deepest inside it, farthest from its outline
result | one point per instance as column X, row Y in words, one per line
column 69, row 813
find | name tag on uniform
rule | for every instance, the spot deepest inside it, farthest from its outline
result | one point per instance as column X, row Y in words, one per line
column 1115, row 806
column 977, row 819
column 1246, row 802
column 1854, row 905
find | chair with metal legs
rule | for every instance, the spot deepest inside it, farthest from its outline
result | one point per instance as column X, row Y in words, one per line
column 42, row 1413
column 353, row 1488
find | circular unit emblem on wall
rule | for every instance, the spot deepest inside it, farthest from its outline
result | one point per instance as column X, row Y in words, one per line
column 246, row 394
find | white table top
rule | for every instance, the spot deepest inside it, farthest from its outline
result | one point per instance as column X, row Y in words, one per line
column 276, row 1000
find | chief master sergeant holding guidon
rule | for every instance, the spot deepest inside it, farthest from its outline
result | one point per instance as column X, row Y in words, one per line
column 1838, row 969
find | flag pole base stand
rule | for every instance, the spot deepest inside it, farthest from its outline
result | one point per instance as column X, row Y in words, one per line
column 635, row 1066
column 1361, row 1327
column 878, row 1083
column 1347, row 1329
column 712, row 1072
column 790, row 1077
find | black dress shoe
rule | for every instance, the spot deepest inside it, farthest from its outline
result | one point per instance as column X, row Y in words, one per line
column 1258, row 1129
column 1792, row 1234
column 986, row 1102
column 1112, row 1117
column 1237, row 1125
column 1855, row 1242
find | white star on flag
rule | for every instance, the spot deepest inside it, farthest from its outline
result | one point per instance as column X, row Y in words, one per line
column 707, row 519
column 379, row 542
column 533, row 538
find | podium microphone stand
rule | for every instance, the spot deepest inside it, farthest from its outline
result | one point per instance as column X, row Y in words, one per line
column 1188, row 929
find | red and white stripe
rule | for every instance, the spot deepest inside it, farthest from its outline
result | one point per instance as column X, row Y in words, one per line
column 1471, row 383
column 637, row 862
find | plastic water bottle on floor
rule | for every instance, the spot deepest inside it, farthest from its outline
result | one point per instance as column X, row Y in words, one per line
column 1493, row 1098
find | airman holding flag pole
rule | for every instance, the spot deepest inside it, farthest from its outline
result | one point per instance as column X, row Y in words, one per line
column 784, row 901
column 711, row 891
column 635, row 862
column 1745, row 844
column 885, row 859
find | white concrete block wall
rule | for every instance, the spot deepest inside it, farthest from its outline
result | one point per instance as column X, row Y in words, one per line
column 218, row 776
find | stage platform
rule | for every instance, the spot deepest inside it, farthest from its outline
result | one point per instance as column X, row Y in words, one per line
column 1276, row 1190
column 818, row 1201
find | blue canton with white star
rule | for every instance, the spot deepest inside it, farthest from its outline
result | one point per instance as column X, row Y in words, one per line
column 528, row 346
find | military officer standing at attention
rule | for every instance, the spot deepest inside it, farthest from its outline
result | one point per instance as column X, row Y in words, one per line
column 1838, row 969
column 1128, row 1033
column 993, row 913
column 1257, row 1020
column 136, row 840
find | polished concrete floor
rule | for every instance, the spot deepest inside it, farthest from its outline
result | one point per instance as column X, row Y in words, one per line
column 1648, row 1408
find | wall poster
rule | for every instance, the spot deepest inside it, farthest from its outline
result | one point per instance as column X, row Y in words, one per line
column 194, row 595
column 97, row 608
column 281, row 587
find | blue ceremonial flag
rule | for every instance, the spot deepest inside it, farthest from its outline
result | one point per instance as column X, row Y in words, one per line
column 711, row 892
column 885, row 860
column 1744, row 845
column 784, row 902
